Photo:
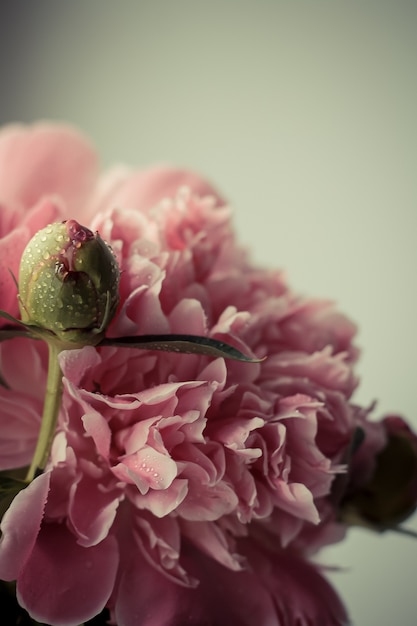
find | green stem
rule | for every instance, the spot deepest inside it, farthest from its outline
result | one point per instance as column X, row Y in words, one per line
column 50, row 414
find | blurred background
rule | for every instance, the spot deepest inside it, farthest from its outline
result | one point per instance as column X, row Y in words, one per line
column 303, row 114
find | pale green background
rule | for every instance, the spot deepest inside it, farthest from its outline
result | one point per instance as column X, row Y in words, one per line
column 304, row 114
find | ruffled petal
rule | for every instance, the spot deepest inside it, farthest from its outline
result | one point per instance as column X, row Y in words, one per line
column 144, row 189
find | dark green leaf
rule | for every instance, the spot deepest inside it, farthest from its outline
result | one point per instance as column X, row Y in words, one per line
column 10, row 333
column 10, row 485
column 189, row 344
column 358, row 438
column 16, row 329
column 12, row 319
column 9, row 488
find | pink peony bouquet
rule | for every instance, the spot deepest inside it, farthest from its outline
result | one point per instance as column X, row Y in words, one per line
column 199, row 442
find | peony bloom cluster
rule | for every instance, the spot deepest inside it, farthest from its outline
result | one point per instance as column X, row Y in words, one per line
column 181, row 489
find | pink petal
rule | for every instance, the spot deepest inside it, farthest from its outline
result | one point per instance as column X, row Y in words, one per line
column 160, row 541
column 92, row 511
column 97, row 427
column 46, row 159
column 63, row 583
column 145, row 189
column 75, row 363
column 324, row 368
column 43, row 213
column 162, row 502
column 208, row 503
column 295, row 498
column 20, row 527
column 11, row 250
column 148, row 469
column 192, row 312
column 23, row 363
column 314, row 324
column 19, row 425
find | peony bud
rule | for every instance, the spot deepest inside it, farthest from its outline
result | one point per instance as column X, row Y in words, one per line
column 69, row 283
column 390, row 495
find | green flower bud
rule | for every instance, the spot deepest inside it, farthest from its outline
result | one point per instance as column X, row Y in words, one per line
column 69, row 283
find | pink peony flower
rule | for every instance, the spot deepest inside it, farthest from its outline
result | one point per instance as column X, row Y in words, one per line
column 181, row 489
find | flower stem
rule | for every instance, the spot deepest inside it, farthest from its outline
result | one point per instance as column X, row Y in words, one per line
column 51, row 408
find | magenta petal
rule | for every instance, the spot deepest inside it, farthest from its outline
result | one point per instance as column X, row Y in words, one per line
column 278, row 589
column 147, row 598
column 63, row 583
column 212, row 540
column 20, row 527
column 302, row 595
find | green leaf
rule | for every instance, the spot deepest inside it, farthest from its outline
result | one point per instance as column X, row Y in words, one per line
column 10, row 333
column 10, row 484
column 9, row 317
column 188, row 344
column 9, row 488
column 16, row 329
column 357, row 440
column 30, row 331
